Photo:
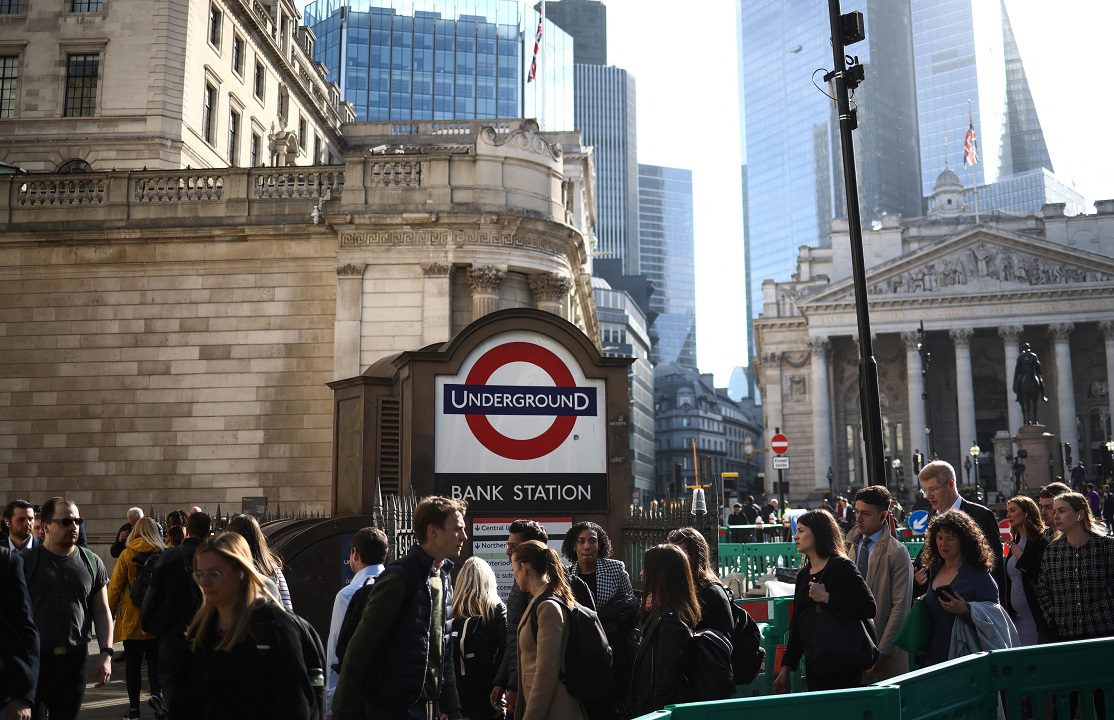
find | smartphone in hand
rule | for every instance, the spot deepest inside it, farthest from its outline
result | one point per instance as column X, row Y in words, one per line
column 947, row 592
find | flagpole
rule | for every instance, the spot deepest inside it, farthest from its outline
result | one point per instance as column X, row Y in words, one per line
column 974, row 167
column 541, row 85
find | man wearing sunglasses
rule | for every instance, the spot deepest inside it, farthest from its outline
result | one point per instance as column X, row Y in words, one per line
column 67, row 584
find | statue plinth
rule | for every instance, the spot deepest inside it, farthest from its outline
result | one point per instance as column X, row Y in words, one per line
column 1036, row 441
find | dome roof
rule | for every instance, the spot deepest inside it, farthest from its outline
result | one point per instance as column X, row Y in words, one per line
column 947, row 180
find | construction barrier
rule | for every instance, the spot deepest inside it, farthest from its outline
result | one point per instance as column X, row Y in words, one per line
column 1042, row 682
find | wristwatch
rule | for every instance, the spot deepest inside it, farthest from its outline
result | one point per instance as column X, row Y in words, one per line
column 107, row 651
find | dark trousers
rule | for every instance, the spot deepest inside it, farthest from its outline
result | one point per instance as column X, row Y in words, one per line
column 61, row 685
column 174, row 669
column 417, row 711
column 832, row 681
column 135, row 651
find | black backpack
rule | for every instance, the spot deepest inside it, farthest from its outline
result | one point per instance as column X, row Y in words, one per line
column 586, row 668
column 313, row 655
column 747, row 653
column 476, row 656
column 145, row 564
column 351, row 621
column 708, row 664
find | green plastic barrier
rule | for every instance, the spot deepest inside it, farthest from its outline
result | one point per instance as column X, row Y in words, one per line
column 1038, row 683
column 752, row 560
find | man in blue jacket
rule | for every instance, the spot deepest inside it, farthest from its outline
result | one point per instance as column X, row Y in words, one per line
column 398, row 664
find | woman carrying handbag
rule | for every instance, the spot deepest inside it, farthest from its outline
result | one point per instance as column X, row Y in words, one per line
column 833, row 608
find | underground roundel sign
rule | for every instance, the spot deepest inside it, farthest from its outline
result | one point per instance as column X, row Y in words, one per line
column 520, row 426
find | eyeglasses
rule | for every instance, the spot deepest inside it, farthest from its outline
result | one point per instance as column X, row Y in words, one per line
column 511, row 546
column 202, row 575
column 69, row 522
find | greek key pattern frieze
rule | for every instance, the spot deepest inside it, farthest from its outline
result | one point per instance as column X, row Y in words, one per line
column 458, row 238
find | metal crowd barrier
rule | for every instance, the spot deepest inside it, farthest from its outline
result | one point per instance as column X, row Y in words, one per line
column 1042, row 682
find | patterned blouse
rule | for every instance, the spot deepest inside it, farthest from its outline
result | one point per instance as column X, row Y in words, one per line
column 1076, row 588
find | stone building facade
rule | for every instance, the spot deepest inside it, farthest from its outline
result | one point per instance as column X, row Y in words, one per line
column 104, row 85
column 979, row 290
column 166, row 336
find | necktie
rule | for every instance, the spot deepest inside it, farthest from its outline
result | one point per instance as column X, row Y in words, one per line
column 864, row 556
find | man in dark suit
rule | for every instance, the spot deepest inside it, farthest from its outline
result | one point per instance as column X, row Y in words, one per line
column 19, row 641
column 938, row 481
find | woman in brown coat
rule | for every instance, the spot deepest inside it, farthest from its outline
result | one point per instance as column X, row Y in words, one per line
column 541, row 694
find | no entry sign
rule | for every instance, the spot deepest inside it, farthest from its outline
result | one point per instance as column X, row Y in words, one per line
column 521, row 428
column 779, row 444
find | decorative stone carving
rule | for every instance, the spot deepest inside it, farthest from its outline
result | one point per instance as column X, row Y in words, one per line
column 1107, row 328
column 486, row 278
column 797, row 388
column 456, row 238
column 818, row 345
column 1061, row 331
column 527, row 137
column 961, row 336
column 910, row 340
column 350, row 270
column 436, row 269
column 550, row 287
column 1010, row 334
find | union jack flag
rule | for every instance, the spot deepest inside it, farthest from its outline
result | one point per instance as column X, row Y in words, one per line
column 537, row 47
column 970, row 147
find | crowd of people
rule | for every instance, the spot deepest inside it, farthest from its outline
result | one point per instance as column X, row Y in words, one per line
column 212, row 618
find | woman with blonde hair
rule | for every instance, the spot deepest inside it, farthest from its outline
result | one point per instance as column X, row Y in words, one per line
column 247, row 659
column 1023, row 566
column 1075, row 591
column 267, row 562
column 142, row 547
column 541, row 693
column 479, row 633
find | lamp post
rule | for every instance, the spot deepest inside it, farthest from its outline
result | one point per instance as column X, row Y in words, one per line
column 1110, row 456
column 748, row 454
column 899, row 478
column 975, row 450
column 967, row 467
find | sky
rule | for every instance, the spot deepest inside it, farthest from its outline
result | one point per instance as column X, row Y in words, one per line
column 685, row 66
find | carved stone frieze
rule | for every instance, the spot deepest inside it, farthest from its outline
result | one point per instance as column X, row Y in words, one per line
column 436, row 269
column 455, row 238
column 527, row 137
column 987, row 266
column 350, row 270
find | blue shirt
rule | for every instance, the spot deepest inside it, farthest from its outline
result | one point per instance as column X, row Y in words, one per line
column 340, row 606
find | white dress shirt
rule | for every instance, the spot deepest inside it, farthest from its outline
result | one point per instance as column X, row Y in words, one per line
column 340, row 606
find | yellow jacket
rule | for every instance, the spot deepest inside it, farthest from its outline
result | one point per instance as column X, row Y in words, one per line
column 119, row 598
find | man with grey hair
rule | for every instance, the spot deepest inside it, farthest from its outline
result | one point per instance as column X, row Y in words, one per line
column 939, row 484
column 126, row 529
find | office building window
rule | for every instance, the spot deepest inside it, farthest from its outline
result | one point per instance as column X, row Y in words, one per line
column 85, row 6
column 81, row 85
column 208, row 120
column 233, row 138
column 216, row 17
column 9, row 85
column 302, row 144
column 11, row 7
column 238, row 55
column 260, row 80
column 256, row 149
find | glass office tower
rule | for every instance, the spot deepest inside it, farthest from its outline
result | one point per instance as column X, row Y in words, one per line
column 668, row 261
column 794, row 175
column 437, row 60
column 967, row 58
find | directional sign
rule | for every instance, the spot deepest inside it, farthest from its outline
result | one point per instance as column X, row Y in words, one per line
column 781, row 462
column 918, row 521
column 779, row 444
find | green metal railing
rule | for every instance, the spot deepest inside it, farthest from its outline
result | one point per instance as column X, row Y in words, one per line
column 753, row 560
column 1042, row 682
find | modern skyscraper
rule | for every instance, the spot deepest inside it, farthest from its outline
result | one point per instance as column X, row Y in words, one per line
column 586, row 21
column 605, row 115
column 667, row 260
column 968, row 66
column 427, row 60
column 794, row 172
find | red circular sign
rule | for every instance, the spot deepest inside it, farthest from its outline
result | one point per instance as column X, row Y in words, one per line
column 779, row 444
column 497, row 442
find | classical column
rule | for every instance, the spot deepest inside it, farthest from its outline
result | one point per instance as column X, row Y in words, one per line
column 918, row 419
column 821, row 409
column 436, row 302
column 349, row 316
column 551, row 293
column 964, row 389
column 1065, row 388
column 485, row 281
column 1011, row 336
column 770, row 373
column 1107, row 327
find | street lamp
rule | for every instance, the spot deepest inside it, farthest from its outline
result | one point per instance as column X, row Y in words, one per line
column 899, row 477
column 748, row 453
column 975, row 456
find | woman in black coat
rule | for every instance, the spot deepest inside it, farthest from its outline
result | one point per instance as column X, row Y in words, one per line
column 659, row 673
column 1023, row 567
column 828, row 582
column 715, row 605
